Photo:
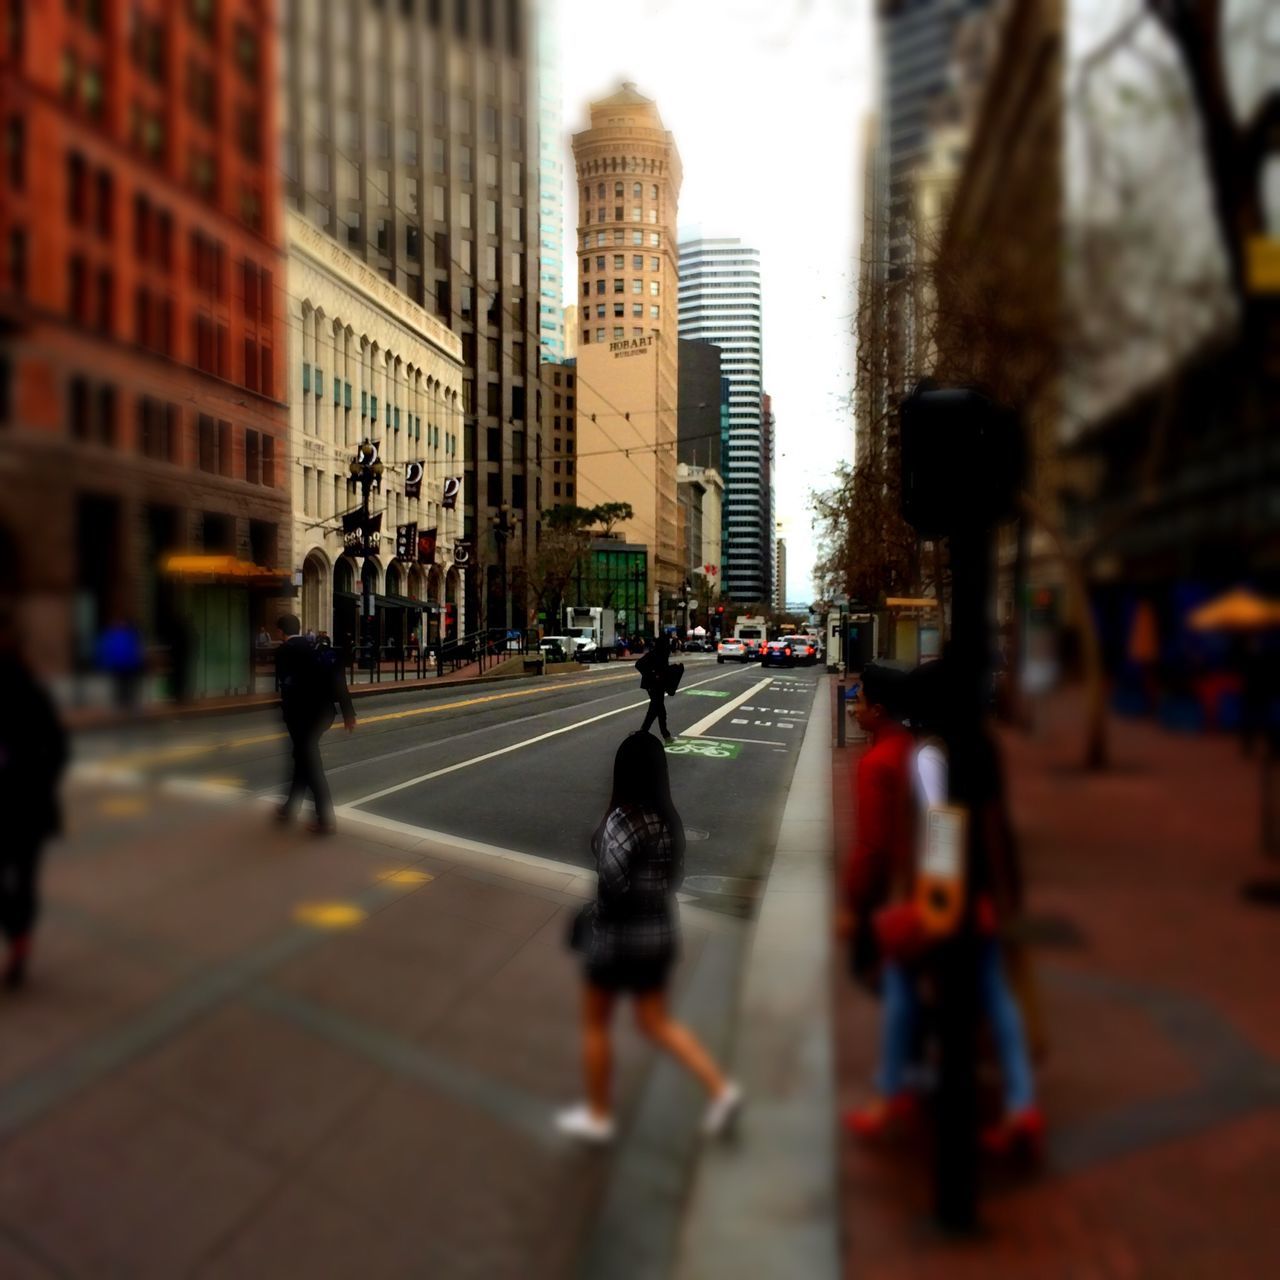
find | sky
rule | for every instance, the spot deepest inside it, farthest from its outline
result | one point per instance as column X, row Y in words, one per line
column 766, row 99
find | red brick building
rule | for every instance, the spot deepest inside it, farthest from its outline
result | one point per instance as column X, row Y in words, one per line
column 142, row 318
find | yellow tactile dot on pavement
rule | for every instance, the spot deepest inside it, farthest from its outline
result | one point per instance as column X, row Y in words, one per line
column 407, row 876
column 122, row 806
column 329, row 915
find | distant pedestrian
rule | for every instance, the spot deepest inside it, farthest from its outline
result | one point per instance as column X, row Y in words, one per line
column 33, row 754
column 122, row 656
column 629, row 939
column 310, row 683
column 653, row 679
column 264, row 639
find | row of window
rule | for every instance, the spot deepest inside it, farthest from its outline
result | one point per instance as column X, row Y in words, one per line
column 93, row 416
column 313, row 381
column 620, row 286
column 638, row 238
column 620, row 309
column 637, row 215
column 620, row 262
column 619, row 188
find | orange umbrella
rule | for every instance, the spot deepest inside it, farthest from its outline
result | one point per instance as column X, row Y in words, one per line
column 1238, row 610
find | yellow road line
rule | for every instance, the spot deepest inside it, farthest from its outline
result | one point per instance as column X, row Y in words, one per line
column 191, row 751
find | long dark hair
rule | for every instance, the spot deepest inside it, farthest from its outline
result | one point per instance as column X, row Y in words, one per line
column 641, row 780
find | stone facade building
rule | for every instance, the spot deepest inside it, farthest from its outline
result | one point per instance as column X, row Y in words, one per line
column 366, row 363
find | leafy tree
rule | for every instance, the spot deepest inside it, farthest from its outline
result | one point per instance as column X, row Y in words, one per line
column 609, row 514
column 565, row 546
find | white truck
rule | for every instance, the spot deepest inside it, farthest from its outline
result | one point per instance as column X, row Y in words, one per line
column 594, row 632
column 750, row 629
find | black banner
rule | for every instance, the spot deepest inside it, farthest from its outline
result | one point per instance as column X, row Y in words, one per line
column 461, row 552
column 427, row 546
column 352, row 520
column 452, row 487
column 406, row 541
column 413, row 480
column 375, row 524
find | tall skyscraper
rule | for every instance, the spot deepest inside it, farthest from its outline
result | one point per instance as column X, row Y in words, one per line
column 551, row 320
column 916, row 42
column 411, row 137
column 629, row 177
column 720, row 303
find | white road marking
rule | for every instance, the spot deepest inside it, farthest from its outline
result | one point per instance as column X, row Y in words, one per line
column 527, row 742
column 720, row 712
column 739, row 721
column 755, row 742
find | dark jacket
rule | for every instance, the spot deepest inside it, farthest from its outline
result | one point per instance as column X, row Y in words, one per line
column 309, row 687
column 653, row 668
column 33, row 754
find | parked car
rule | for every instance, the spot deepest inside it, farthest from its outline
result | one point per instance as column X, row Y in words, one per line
column 778, row 653
column 556, row 648
column 731, row 650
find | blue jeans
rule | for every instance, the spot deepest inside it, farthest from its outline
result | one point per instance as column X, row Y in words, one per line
column 898, row 1021
column 1005, row 1019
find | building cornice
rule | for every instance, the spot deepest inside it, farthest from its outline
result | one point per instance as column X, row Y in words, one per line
column 325, row 253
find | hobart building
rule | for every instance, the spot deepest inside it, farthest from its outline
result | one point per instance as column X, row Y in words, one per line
column 411, row 139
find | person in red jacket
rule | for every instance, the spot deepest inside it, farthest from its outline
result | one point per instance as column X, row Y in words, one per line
column 879, row 870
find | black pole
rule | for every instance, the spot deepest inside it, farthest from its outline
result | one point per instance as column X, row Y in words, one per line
column 956, row 964
column 366, row 479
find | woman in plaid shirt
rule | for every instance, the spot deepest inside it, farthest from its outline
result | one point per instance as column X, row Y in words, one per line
column 632, row 938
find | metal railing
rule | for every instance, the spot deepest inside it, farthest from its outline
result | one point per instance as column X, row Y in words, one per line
column 375, row 663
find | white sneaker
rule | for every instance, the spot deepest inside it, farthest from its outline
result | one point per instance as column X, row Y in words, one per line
column 578, row 1122
column 722, row 1111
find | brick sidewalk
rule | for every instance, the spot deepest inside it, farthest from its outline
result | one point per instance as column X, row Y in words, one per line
column 1159, row 990
column 208, row 1076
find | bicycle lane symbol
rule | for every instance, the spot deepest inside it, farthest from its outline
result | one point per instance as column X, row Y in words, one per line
column 704, row 747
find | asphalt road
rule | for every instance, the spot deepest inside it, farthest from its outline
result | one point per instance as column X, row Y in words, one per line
column 525, row 765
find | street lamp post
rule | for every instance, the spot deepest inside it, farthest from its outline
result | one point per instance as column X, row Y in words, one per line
column 366, row 471
column 504, row 526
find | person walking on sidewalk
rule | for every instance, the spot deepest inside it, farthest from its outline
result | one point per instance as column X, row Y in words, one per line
column 628, row 938
column 33, row 754
column 653, row 679
column 309, row 688
column 995, row 891
column 878, row 870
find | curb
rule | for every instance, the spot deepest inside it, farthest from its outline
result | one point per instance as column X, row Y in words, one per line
column 167, row 714
column 769, row 1206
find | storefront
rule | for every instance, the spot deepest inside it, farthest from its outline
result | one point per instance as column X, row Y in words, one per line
column 220, row 603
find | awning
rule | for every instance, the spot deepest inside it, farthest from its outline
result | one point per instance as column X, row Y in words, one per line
column 224, row 568
column 1238, row 610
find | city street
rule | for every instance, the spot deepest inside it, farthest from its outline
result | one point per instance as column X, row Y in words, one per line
column 246, row 1051
column 524, row 765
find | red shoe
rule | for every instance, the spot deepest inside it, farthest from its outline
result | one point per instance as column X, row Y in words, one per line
column 882, row 1116
column 1023, row 1131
